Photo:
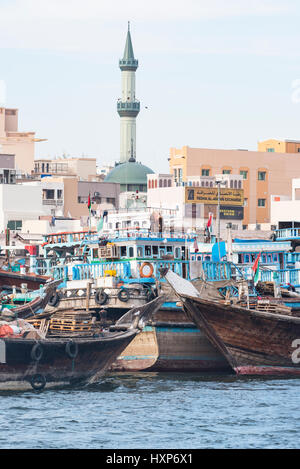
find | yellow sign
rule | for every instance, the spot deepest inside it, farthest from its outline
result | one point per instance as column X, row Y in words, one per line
column 209, row 195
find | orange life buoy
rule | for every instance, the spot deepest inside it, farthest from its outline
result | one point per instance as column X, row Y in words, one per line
column 149, row 268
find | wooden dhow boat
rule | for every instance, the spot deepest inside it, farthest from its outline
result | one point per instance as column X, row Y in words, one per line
column 253, row 342
column 34, row 307
column 40, row 362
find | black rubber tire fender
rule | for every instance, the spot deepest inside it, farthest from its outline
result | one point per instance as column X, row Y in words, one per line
column 124, row 295
column 71, row 349
column 38, row 382
column 54, row 299
column 36, row 352
column 101, row 297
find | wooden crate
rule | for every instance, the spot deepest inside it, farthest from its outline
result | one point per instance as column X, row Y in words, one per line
column 71, row 321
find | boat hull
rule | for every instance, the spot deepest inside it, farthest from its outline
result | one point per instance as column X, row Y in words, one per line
column 171, row 343
column 254, row 343
column 25, row 362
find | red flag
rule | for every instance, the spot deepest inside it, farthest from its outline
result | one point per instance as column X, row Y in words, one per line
column 255, row 265
column 89, row 202
column 209, row 221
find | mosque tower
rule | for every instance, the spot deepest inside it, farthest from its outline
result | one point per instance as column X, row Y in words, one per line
column 130, row 174
column 128, row 106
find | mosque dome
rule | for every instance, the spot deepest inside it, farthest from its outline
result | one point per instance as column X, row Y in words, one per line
column 130, row 175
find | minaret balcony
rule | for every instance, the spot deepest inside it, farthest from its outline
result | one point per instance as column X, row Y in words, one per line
column 128, row 108
column 128, row 64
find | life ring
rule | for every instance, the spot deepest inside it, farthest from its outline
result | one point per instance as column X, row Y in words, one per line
column 124, row 295
column 101, row 297
column 72, row 349
column 54, row 300
column 38, row 382
column 36, row 352
column 149, row 270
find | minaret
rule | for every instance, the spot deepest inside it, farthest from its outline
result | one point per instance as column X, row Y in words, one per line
column 128, row 107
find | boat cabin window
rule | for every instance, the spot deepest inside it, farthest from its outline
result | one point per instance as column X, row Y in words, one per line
column 269, row 258
column 246, row 258
column 147, row 251
column 95, row 253
column 123, row 252
column 130, row 251
column 177, row 253
column 183, row 253
column 275, row 257
column 162, row 250
column 207, row 258
column 169, row 248
column 155, row 250
column 264, row 259
column 139, row 251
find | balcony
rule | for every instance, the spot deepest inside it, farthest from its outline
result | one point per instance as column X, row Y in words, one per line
column 128, row 109
column 53, row 202
column 129, row 64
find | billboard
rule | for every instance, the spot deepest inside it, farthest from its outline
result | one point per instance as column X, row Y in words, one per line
column 227, row 212
column 230, row 212
column 209, row 195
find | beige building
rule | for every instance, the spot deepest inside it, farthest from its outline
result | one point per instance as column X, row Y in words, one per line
column 264, row 174
column 20, row 144
column 83, row 168
column 279, row 146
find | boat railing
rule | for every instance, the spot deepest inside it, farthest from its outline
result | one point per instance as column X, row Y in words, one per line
column 225, row 270
column 287, row 233
column 122, row 269
column 282, row 276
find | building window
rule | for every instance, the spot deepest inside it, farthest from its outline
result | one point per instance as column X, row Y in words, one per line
column 298, row 150
column 205, row 172
column 226, row 171
column 59, row 193
column 261, row 202
column 262, row 175
column 14, row 224
column 244, row 174
column 270, row 150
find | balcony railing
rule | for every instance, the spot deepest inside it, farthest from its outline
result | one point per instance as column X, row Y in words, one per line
column 53, row 202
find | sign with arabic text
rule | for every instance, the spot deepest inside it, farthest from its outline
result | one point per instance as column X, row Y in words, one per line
column 209, row 195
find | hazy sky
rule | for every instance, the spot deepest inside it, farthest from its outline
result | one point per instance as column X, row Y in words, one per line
column 213, row 73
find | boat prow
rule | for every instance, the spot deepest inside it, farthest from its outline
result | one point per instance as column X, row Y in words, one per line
column 254, row 342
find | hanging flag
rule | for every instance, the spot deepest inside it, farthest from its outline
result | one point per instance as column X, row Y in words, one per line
column 89, row 202
column 255, row 268
column 209, row 223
